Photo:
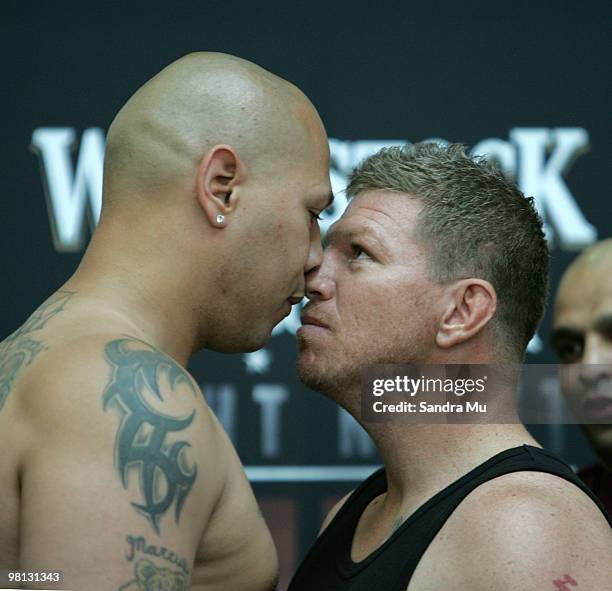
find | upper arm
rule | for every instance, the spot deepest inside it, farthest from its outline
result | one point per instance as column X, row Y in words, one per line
column 528, row 537
column 112, row 487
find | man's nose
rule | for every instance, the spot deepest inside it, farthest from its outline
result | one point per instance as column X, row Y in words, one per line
column 591, row 374
column 319, row 283
column 597, row 349
column 596, row 361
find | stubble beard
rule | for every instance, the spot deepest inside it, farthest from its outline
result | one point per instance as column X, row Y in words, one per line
column 338, row 381
column 337, row 375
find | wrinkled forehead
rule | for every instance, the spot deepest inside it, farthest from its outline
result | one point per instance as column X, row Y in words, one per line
column 390, row 219
column 395, row 212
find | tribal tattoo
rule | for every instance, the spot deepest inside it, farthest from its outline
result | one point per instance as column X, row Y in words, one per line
column 149, row 577
column 141, row 438
column 19, row 349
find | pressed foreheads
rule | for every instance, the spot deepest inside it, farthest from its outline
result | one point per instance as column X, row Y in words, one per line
column 475, row 222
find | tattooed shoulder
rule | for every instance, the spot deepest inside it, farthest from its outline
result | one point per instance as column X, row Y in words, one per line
column 20, row 348
column 163, row 467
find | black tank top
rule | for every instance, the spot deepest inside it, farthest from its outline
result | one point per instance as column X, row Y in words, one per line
column 328, row 565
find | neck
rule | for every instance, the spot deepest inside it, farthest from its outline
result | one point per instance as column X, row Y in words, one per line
column 142, row 292
column 422, row 459
column 428, row 456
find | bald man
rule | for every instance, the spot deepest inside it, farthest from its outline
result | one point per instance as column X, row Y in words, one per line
column 582, row 335
column 113, row 468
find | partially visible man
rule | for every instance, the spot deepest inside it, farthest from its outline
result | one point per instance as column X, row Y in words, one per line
column 582, row 335
column 113, row 469
column 440, row 260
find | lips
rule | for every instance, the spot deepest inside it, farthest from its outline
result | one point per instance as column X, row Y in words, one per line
column 597, row 408
column 309, row 320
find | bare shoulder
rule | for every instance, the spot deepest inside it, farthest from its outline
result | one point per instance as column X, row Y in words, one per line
column 523, row 530
column 100, row 372
column 545, row 499
column 116, row 444
column 121, row 392
column 23, row 347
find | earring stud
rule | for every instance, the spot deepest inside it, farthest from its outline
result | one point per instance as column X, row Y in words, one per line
column 220, row 218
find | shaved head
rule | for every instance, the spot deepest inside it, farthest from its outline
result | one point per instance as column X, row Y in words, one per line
column 587, row 280
column 197, row 102
column 215, row 173
column 594, row 260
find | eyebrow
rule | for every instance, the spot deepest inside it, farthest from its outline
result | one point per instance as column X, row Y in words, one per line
column 340, row 232
column 335, row 234
column 604, row 324
column 565, row 332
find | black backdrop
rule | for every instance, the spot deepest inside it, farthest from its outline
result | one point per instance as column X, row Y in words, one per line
column 535, row 76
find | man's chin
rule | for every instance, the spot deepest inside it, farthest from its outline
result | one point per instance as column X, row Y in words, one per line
column 245, row 342
column 311, row 376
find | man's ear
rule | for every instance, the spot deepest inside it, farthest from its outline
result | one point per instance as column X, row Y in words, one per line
column 219, row 174
column 471, row 304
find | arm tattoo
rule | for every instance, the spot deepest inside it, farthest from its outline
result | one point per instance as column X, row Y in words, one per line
column 149, row 576
column 19, row 349
column 137, row 544
column 141, row 438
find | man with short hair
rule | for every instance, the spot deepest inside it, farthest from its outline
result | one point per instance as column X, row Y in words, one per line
column 582, row 337
column 114, row 470
column 440, row 260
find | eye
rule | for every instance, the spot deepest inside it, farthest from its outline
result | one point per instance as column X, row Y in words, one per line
column 568, row 351
column 358, row 253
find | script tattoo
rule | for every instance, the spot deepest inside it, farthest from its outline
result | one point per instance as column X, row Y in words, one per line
column 149, row 577
column 139, row 544
column 141, row 439
column 19, row 349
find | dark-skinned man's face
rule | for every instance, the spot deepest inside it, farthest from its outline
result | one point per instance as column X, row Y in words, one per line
column 582, row 339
